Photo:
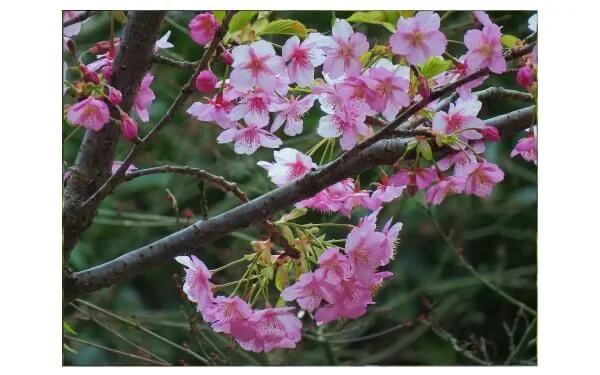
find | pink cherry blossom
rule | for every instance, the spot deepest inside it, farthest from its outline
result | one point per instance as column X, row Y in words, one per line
column 421, row 177
column 248, row 139
column 197, row 285
column 461, row 119
column 354, row 199
column 390, row 87
column 290, row 164
column 217, row 110
column 163, row 42
column 384, row 193
column 75, row 28
column 144, row 98
column 485, row 49
column 438, row 192
column 255, row 65
column 363, row 248
column 532, row 22
column 274, row 328
column 290, row 112
column 418, row 38
column 348, row 124
column 482, row 17
column 335, row 266
column 310, row 290
column 481, row 179
column 128, row 127
column 90, row 113
column 343, row 50
column 229, row 315
column 527, row 148
column 117, row 164
column 253, row 107
column 331, row 198
column 388, row 246
column 461, row 161
column 352, row 299
column 460, row 70
column 206, row 81
column 203, row 27
column 302, row 58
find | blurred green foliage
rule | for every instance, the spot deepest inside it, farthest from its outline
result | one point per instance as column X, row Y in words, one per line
column 497, row 236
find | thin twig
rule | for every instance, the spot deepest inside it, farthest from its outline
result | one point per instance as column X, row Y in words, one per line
column 158, row 59
column 89, row 343
column 473, row 272
column 143, row 329
column 521, row 342
column 119, row 335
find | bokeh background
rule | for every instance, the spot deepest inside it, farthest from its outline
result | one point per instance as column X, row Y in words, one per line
column 497, row 237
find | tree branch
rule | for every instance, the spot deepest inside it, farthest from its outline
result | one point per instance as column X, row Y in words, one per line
column 383, row 152
column 96, row 154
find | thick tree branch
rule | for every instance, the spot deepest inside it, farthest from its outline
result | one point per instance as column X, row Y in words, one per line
column 383, row 152
column 96, row 153
column 225, row 185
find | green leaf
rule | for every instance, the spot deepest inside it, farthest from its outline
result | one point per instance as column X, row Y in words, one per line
column 365, row 57
column 219, row 14
column 281, row 277
column 434, row 66
column 509, row 41
column 373, row 16
column 241, row 19
column 392, row 16
column 267, row 273
column 425, row 150
column 284, row 27
column 407, row 13
column 294, row 214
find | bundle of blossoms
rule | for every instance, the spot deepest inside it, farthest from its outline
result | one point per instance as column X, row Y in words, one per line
column 359, row 89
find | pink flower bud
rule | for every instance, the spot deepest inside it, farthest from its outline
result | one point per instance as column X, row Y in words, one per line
column 115, row 96
column 525, row 76
column 128, row 127
column 88, row 75
column 187, row 213
column 490, row 133
column 424, row 89
column 106, row 71
column 206, row 81
column 227, row 57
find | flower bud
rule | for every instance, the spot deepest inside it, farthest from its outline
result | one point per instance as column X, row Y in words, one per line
column 114, row 96
column 424, row 89
column 525, row 76
column 206, row 81
column 106, row 71
column 187, row 213
column 227, row 57
column 490, row 133
column 128, row 127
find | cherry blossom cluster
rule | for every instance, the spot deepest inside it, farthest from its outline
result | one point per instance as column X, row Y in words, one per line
column 343, row 284
column 255, row 330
